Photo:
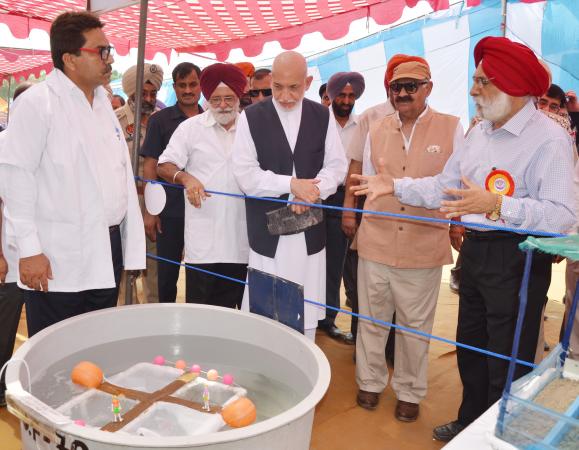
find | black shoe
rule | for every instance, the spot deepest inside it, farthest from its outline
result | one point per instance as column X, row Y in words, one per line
column 448, row 431
column 349, row 338
column 2, row 400
column 454, row 282
column 333, row 331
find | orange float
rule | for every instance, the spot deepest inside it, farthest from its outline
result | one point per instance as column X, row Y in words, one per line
column 239, row 413
column 87, row 374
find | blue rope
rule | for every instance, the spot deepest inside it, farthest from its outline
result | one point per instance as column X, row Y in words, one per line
column 360, row 316
column 367, row 211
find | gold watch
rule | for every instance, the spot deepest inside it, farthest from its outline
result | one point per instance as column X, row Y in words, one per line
column 495, row 214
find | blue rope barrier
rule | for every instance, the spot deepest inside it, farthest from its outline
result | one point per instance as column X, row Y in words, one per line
column 368, row 211
column 360, row 316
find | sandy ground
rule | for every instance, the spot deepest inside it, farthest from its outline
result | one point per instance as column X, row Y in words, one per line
column 339, row 423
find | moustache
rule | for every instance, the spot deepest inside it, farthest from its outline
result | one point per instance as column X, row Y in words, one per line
column 404, row 100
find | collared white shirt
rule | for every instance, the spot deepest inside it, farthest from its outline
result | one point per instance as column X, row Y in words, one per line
column 534, row 150
column 264, row 183
column 408, row 139
column 216, row 232
column 347, row 131
column 67, row 180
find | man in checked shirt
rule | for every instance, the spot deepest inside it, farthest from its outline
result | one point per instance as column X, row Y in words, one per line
column 515, row 170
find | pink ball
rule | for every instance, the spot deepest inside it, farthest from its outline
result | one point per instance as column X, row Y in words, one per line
column 212, row 375
column 80, row 423
column 195, row 369
column 180, row 364
column 159, row 360
column 228, row 379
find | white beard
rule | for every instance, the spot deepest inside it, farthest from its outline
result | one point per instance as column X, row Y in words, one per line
column 224, row 117
column 496, row 109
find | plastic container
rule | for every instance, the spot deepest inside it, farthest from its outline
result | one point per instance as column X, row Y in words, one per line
column 242, row 340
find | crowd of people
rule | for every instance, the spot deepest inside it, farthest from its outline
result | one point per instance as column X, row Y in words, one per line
column 74, row 222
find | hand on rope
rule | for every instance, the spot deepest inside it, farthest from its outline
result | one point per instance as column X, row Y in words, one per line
column 374, row 186
column 35, row 271
column 473, row 200
column 152, row 226
column 194, row 189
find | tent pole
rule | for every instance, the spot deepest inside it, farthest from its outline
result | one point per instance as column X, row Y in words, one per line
column 138, row 109
column 8, row 99
column 504, row 17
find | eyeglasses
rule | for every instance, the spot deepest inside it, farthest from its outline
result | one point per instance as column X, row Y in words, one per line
column 410, row 87
column 216, row 101
column 103, row 51
column 255, row 92
column 553, row 107
column 481, row 81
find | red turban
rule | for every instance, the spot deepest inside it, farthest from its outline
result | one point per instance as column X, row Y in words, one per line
column 397, row 60
column 218, row 73
column 511, row 66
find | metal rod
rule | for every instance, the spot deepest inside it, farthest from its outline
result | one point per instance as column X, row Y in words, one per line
column 504, row 17
column 523, row 296
column 138, row 109
column 8, row 99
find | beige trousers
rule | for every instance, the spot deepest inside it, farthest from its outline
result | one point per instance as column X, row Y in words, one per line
column 413, row 294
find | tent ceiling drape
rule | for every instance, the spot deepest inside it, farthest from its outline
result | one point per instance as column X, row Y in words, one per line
column 214, row 26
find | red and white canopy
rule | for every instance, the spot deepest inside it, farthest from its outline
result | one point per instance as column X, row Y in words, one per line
column 215, row 26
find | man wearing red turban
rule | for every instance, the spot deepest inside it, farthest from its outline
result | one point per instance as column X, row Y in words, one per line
column 198, row 156
column 515, row 170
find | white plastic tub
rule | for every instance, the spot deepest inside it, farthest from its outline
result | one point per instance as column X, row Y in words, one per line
column 251, row 342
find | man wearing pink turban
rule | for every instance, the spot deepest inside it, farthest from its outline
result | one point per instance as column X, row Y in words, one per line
column 515, row 171
column 198, row 156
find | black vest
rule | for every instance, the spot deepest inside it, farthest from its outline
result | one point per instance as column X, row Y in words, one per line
column 274, row 153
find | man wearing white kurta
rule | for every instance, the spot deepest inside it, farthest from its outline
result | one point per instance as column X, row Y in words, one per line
column 276, row 169
column 70, row 199
column 198, row 156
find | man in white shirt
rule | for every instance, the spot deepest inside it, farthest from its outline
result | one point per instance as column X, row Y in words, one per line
column 70, row 199
column 198, row 156
column 343, row 88
column 287, row 147
column 515, row 170
column 11, row 300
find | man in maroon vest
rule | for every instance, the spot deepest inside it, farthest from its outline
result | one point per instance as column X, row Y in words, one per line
column 287, row 147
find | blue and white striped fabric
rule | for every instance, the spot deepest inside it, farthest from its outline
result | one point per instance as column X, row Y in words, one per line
column 447, row 39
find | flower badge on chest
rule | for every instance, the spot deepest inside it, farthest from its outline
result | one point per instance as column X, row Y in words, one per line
column 433, row 149
column 130, row 129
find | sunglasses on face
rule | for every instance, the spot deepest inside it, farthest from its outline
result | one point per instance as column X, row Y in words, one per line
column 103, row 51
column 255, row 92
column 410, row 87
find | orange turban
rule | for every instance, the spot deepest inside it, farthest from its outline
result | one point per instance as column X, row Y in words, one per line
column 397, row 60
column 511, row 66
column 247, row 68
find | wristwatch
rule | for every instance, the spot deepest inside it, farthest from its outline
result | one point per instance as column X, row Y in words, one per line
column 495, row 214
